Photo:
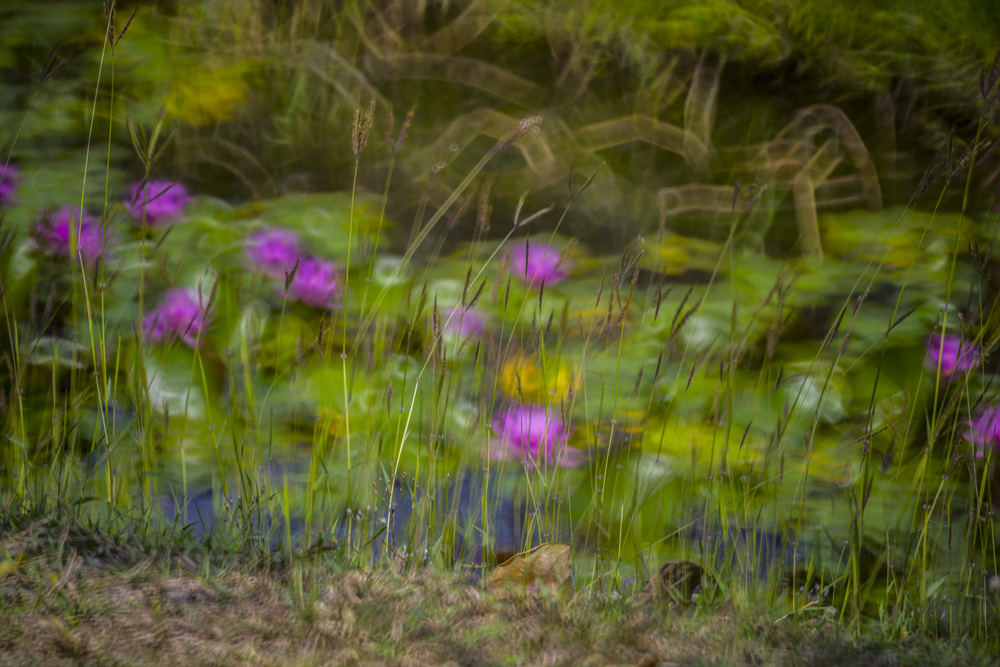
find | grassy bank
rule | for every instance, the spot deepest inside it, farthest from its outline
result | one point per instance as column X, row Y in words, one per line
column 72, row 595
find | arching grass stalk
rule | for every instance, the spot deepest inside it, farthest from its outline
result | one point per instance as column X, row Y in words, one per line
column 523, row 127
column 361, row 129
column 101, row 369
column 74, row 231
column 362, row 126
column 395, row 145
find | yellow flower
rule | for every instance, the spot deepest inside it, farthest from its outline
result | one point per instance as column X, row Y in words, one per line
column 527, row 381
column 632, row 422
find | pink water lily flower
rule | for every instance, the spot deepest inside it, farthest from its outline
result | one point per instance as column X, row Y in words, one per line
column 180, row 314
column 10, row 177
column 53, row 233
column 984, row 430
column 953, row 354
column 315, row 282
column 273, row 251
column 535, row 262
column 462, row 322
column 533, row 434
column 162, row 201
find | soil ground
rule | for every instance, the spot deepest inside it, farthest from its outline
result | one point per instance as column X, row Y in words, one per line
column 67, row 597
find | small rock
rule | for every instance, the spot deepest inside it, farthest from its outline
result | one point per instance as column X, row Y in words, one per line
column 676, row 581
column 547, row 567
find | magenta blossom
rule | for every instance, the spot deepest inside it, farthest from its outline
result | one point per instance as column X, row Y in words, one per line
column 461, row 323
column 315, row 283
column 532, row 433
column 537, row 262
column 53, row 232
column 180, row 314
column 953, row 355
column 162, row 200
column 10, row 177
column 985, row 430
column 273, row 251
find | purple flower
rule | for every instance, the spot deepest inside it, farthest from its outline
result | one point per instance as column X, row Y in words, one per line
column 953, row 355
column 53, row 231
column 273, row 251
column 461, row 323
column 315, row 282
column 536, row 262
column 10, row 177
column 160, row 199
column 180, row 314
column 531, row 433
column 984, row 430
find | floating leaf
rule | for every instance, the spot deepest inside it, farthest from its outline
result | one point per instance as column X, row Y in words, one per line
column 49, row 350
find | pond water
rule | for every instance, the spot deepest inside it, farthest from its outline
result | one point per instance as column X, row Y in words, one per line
column 730, row 353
